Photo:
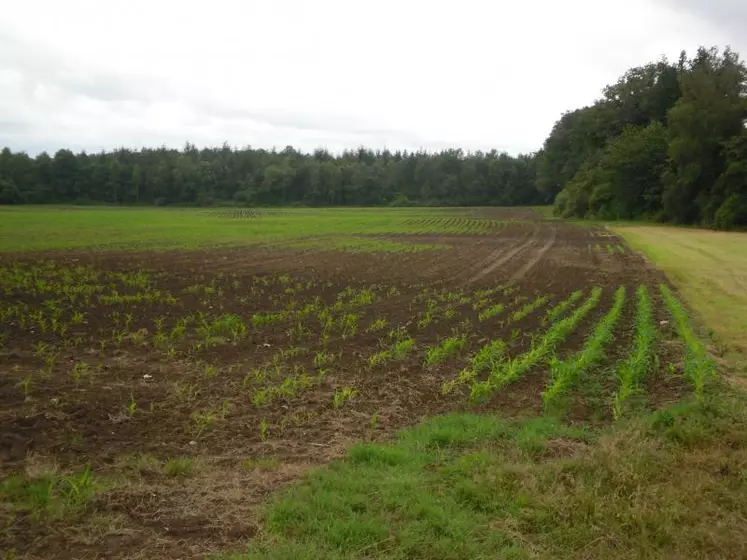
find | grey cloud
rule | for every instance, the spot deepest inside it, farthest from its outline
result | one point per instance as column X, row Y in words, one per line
column 42, row 67
column 326, row 123
column 127, row 96
column 728, row 15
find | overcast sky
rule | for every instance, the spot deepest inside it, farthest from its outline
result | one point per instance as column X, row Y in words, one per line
column 333, row 73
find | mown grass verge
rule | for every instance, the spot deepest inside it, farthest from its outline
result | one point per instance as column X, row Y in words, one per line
column 464, row 486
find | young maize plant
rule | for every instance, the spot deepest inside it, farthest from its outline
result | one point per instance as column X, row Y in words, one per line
column 635, row 368
column 565, row 374
column 699, row 367
column 507, row 372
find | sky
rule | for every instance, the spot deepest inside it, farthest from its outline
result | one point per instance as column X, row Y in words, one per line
column 405, row 74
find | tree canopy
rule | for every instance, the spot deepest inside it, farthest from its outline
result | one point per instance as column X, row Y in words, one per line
column 666, row 142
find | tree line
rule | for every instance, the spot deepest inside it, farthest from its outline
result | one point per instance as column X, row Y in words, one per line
column 667, row 142
column 257, row 177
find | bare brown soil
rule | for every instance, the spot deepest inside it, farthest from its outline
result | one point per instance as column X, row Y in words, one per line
column 244, row 452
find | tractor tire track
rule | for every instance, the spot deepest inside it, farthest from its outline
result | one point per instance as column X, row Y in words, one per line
column 519, row 274
column 495, row 264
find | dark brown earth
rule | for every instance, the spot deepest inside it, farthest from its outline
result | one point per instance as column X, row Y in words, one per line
column 140, row 512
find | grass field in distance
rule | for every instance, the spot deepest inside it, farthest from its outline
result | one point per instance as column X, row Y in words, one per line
column 107, row 228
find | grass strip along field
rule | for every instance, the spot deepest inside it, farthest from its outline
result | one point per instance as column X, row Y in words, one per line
column 364, row 392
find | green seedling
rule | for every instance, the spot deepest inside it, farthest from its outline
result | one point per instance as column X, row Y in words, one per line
column 398, row 351
column 264, row 429
column 342, row 396
column 80, row 372
column 201, row 421
column 448, row 348
column 25, row 384
column 636, row 367
column 131, row 406
column 322, row 358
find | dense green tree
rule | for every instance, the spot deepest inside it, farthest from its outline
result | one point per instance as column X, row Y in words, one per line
column 665, row 141
column 622, row 181
column 732, row 185
column 711, row 111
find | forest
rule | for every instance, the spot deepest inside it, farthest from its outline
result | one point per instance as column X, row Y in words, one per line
column 666, row 142
column 257, row 177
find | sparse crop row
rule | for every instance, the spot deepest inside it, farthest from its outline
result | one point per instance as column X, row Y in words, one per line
column 445, row 225
column 290, row 386
column 565, row 373
column 398, row 350
column 447, row 348
column 554, row 313
column 486, row 359
column 699, row 366
column 519, row 314
column 635, row 368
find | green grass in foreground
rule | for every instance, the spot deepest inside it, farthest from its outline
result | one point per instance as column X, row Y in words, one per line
column 710, row 270
column 469, row 486
column 54, row 227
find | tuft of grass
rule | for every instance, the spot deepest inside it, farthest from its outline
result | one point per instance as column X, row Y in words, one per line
column 51, row 496
column 179, row 466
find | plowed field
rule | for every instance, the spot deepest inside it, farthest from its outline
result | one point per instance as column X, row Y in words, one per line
column 150, row 401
